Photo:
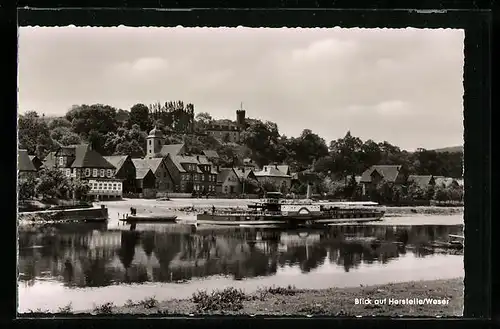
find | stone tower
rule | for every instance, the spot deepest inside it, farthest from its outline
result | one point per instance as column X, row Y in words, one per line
column 154, row 142
column 240, row 119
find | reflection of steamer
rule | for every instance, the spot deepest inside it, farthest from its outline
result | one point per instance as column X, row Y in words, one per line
column 273, row 210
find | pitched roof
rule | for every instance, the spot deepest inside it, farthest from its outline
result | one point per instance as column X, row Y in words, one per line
column 23, row 161
column 50, row 160
column 270, row 171
column 86, row 157
column 173, row 149
column 140, row 173
column 421, row 180
column 211, row 153
column 243, row 173
column 284, row 169
column 388, row 172
column 147, row 163
column 117, row 160
column 224, row 174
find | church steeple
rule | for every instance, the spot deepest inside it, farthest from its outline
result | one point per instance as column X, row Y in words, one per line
column 154, row 142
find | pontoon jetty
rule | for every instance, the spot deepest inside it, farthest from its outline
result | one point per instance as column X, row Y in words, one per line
column 273, row 210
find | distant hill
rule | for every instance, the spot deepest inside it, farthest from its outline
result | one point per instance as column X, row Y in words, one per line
column 452, row 149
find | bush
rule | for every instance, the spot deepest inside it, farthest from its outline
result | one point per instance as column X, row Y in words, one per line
column 229, row 299
column 149, row 303
column 106, row 308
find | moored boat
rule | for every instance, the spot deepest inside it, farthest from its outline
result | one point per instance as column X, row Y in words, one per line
column 274, row 210
column 149, row 219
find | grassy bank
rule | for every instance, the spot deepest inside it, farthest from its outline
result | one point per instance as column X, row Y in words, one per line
column 422, row 210
column 279, row 301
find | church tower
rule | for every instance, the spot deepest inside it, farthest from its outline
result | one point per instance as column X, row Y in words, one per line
column 154, row 142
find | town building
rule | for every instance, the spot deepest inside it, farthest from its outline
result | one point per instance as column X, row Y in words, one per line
column 248, row 180
column 188, row 172
column 422, row 181
column 374, row 175
column 125, row 170
column 192, row 173
column 274, row 175
column 145, row 181
column 37, row 162
column 163, row 178
column 228, row 182
column 227, row 130
column 24, row 164
column 81, row 162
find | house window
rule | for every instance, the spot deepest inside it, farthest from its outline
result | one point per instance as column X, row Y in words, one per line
column 68, row 172
column 164, row 174
column 102, row 172
column 61, row 161
column 202, row 178
column 119, row 186
column 114, row 186
column 94, row 172
column 150, row 151
column 149, row 142
column 100, row 186
column 87, row 172
column 110, row 173
column 225, row 189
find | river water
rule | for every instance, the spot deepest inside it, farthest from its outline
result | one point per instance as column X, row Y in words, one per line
column 90, row 264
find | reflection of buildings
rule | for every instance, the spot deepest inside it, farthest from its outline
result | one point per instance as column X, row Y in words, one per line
column 98, row 258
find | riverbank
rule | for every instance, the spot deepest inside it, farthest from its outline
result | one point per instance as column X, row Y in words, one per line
column 438, row 298
column 189, row 208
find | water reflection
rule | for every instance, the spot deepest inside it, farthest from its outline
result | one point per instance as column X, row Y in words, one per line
column 91, row 256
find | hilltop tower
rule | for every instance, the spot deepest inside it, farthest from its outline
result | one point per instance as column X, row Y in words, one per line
column 154, row 142
column 240, row 117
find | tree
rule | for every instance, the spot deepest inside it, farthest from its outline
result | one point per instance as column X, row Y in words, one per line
column 442, row 194
column 34, row 134
column 64, row 136
column 26, row 186
column 307, row 148
column 346, row 153
column 97, row 117
column 268, row 185
column 52, row 183
column 59, row 122
column 139, row 115
column 262, row 139
column 80, row 189
column 204, row 118
column 415, row 192
column 132, row 148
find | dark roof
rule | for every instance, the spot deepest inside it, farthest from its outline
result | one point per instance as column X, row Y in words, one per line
column 86, row 157
column 141, row 173
column 421, row 180
column 224, row 174
column 211, row 153
column 117, row 160
column 244, row 173
column 388, row 172
column 173, row 149
column 24, row 162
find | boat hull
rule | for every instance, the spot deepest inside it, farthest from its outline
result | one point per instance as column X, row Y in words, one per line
column 149, row 219
column 251, row 219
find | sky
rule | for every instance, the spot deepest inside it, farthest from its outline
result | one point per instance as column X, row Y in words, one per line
column 400, row 85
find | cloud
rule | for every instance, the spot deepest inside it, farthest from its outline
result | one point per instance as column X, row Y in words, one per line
column 386, row 108
column 326, row 48
column 139, row 67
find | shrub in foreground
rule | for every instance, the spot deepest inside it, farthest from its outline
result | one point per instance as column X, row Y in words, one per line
column 229, row 299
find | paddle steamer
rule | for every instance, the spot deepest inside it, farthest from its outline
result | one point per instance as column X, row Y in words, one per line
column 274, row 210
